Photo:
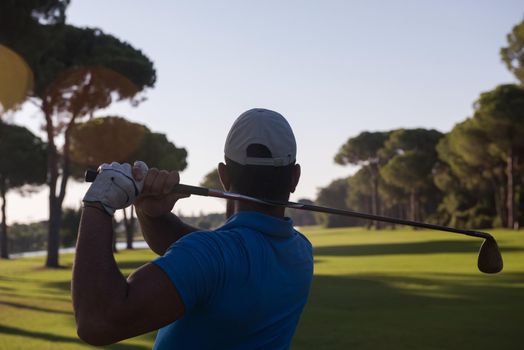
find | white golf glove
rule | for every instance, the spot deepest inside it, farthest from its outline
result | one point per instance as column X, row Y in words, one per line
column 114, row 187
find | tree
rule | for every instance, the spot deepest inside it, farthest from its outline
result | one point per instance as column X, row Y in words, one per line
column 302, row 217
column 212, row 180
column 77, row 71
column 363, row 150
column 69, row 226
column 27, row 237
column 23, row 162
column 462, row 206
column 15, row 15
column 82, row 70
column 108, row 139
column 395, row 202
column 27, row 27
column 360, row 196
column 22, row 22
column 412, row 157
column 334, row 195
column 500, row 115
column 104, row 140
column 469, row 174
column 513, row 54
column 157, row 151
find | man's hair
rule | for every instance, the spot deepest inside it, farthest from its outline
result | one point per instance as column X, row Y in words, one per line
column 261, row 181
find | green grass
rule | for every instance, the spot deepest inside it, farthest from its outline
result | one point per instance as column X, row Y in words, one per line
column 400, row 289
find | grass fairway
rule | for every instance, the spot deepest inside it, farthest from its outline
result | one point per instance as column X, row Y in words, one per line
column 408, row 289
column 400, row 289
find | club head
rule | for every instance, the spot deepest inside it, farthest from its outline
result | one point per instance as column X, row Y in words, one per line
column 490, row 260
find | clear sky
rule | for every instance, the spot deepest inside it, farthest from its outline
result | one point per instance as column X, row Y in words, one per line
column 332, row 68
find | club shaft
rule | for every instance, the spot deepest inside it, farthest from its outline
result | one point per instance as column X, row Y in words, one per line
column 328, row 210
column 201, row 191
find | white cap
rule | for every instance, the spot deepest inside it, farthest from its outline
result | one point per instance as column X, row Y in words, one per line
column 264, row 127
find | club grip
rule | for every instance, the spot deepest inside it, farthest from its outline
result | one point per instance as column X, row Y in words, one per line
column 188, row 189
column 90, row 176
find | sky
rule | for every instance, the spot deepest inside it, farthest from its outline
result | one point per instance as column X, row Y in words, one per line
column 332, row 68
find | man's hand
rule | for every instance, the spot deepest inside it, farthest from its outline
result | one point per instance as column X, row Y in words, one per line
column 116, row 186
column 160, row 227
column 157, row 198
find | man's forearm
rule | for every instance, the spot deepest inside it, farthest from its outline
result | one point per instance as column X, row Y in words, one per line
column 98, row 286
column 160, row 232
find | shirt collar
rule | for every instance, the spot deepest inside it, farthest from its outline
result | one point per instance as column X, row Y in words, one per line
column 267, row 224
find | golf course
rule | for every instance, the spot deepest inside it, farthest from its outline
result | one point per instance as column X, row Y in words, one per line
column 388, row 289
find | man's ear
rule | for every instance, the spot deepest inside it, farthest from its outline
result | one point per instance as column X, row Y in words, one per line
column 223, row 175
column 295, row 177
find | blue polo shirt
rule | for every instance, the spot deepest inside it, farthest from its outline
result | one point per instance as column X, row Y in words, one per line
column 243, row 285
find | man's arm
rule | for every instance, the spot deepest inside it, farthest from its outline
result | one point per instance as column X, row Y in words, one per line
column 108, row 308
column 160, row 227
column 161, row 232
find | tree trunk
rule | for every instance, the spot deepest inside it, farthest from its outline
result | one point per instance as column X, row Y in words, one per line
column 379, row 225
column 56, row 200
column 129, row 224
column 412, row 205
column 375, row 205
column 52, row 259
column 55, row 218
column 4, row 251
column 517, row 190
column 499, row 194
column 510, row 202
column 53, row 237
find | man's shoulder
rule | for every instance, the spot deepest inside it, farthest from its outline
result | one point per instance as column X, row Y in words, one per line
column 210, row 239
column 304, row 238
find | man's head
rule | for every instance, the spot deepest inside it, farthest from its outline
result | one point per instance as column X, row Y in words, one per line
column 260, row 153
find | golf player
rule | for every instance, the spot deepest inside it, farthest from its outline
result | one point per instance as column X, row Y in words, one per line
column 240, row 286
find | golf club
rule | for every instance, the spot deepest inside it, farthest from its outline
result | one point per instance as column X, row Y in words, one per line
column 489, row 259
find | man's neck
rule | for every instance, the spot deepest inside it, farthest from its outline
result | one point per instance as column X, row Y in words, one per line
column 234, row 207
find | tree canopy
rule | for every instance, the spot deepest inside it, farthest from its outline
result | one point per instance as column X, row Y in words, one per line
column 72, row 47
column 334, row 195
column 212, row 180
column 513, row 54
column 108, row 139
column 364, row 149
column 499, row 120
column 23, row 162
column 23, row 157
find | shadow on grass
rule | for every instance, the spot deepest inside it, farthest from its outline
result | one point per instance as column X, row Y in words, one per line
column 406, row 312
column 37, row 296
column 38, row 335
column 34, row 308
column 60, row 285
column 60, row 338
column 403, row 248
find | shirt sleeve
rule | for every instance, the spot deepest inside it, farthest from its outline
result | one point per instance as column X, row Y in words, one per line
column 194, row 266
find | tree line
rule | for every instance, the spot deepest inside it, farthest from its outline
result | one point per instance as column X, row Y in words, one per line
column 470, row 177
